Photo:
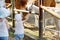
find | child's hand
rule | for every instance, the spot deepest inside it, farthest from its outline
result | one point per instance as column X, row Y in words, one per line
column 1, row 19
column 26, row 18
column 8, row 26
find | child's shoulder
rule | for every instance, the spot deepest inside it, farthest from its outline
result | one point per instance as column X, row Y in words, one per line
column 17, row 15
column 5, row 19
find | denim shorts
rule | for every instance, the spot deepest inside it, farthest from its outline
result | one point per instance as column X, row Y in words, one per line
column 19, row 36
column 3, row 38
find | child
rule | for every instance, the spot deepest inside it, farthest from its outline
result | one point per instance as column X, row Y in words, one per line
column 19, row 28
column 3, row 26
column 3, row 22
column 3, row 29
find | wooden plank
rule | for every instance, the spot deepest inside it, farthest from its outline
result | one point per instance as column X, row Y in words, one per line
column 21, row 10
column 28, row 25
column 28, row 35
column 51, row 12
column 50, row 26
column 8, row 5
column 53, row 30
column 32, row 34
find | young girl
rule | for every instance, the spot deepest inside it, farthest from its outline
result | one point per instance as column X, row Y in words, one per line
column 3, row 22
column 19, row 28
column 3, row 29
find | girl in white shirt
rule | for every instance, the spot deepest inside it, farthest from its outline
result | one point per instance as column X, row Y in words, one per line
column 19, row 28
column 3, row 22
column 3, row 29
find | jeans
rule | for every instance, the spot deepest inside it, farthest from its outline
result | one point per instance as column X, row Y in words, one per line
column 18, row 36
column 3, row 38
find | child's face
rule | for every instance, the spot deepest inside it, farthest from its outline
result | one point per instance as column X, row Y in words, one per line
column 1, row 19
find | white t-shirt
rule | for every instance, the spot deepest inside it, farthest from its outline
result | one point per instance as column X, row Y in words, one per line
column 19, row 28
column 2, row 3
column 3, row 29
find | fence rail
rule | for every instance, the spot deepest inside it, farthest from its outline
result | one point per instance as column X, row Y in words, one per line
column 50, row 12
column 55, row 16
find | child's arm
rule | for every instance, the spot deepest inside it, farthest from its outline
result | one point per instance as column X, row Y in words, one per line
column 7, row 23
column 26, row 17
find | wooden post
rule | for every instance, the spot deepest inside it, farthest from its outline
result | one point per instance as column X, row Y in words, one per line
column 13, row 14
column 40, row 21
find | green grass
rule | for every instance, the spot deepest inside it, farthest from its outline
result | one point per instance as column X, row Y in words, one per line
column 11, row 32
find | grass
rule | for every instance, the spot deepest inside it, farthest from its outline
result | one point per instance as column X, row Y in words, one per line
column 11, row 32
